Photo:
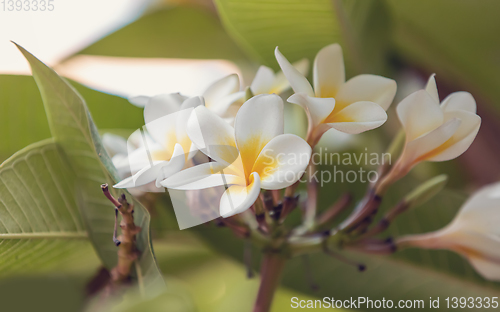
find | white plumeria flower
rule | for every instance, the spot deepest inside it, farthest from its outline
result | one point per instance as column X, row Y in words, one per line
column 168, row 149
column 117, row 147
column 218, row 96
column 352, row 107
column 473, row 233
column 267, row 82
column 254, row 154
column 434, row 131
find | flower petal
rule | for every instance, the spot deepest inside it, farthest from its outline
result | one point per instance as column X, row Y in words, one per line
column 263, row 81
column 175, row 164
column 371, row 88
column 298, row 82
column 426, row 146
column 238, row 198
column 114, row 144
column 459, row 100
column 461, row 139
column 419, row 113
column 431, row 88
column 329, row 71
column 281, row 84
column 212, row 135
column 358, row 117
column 258, row 121
column 219, row 89
column 139, row 100
column 317, row 109
column 203, row 176
column 282, row 161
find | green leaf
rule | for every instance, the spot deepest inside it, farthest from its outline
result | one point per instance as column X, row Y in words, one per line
column 72, row 127
column 22, row 114
column 301, row 29
column 181, row 32
column 40, row 225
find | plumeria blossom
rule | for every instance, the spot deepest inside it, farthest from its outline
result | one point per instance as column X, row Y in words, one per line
column 254, row 154
column 268, row 82
column 218, row 97
column 436, row 131
column 352, row 107
column 169, row 146
column 473, row 233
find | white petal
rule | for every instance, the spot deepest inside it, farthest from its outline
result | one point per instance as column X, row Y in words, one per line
column 258, row 121
column 139, row 100
column 462, row 138
column 281, row 84
column 212, row 135
column 175, row 164
column 220, row 89
column 238, row 198
column 459, row 100
column 298, row 82
column 423, row 147
column 162, row 105
column 263, row 81
column 358, row 117
column 431, row 88
column 224, row 103
column 487, row 268
column 202, row 176
column 329, row 71
column 317, row 109
column 371, row 88
column 282, row 161
column 419, row 113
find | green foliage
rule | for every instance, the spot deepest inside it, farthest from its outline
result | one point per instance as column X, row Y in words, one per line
column 180, row 32
column 301, row 29
column 73, row 128
column 40, row 225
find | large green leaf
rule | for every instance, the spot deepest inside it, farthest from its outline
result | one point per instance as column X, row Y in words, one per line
column 301, row 28
column 72, row 127
column 40, row 225
column 181, row 32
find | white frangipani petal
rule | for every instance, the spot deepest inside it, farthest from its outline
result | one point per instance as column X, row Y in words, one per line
column 139, row 100
column 431, row 88
column 114, row 144
column 317, row 109
column 263, row 80
column 219, row 89
column 459, row 101
column 329, row 71
column 371, row 88
column 428, row 145
column 281, row 84
column 358, row 117
column 461, row 139
column 212, row 135
column 282, row 161
column 419, row 113
column 203, row 176
column 297, row 81
column 258, row 121
column 238, row 198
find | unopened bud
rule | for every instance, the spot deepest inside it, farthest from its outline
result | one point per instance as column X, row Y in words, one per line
column 426, row 191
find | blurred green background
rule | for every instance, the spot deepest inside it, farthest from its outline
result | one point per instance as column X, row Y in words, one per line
column 404, row 40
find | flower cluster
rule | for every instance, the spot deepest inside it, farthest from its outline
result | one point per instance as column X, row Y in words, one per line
column 234, row 138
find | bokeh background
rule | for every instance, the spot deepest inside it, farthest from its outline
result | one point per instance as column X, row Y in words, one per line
column 115, row 49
